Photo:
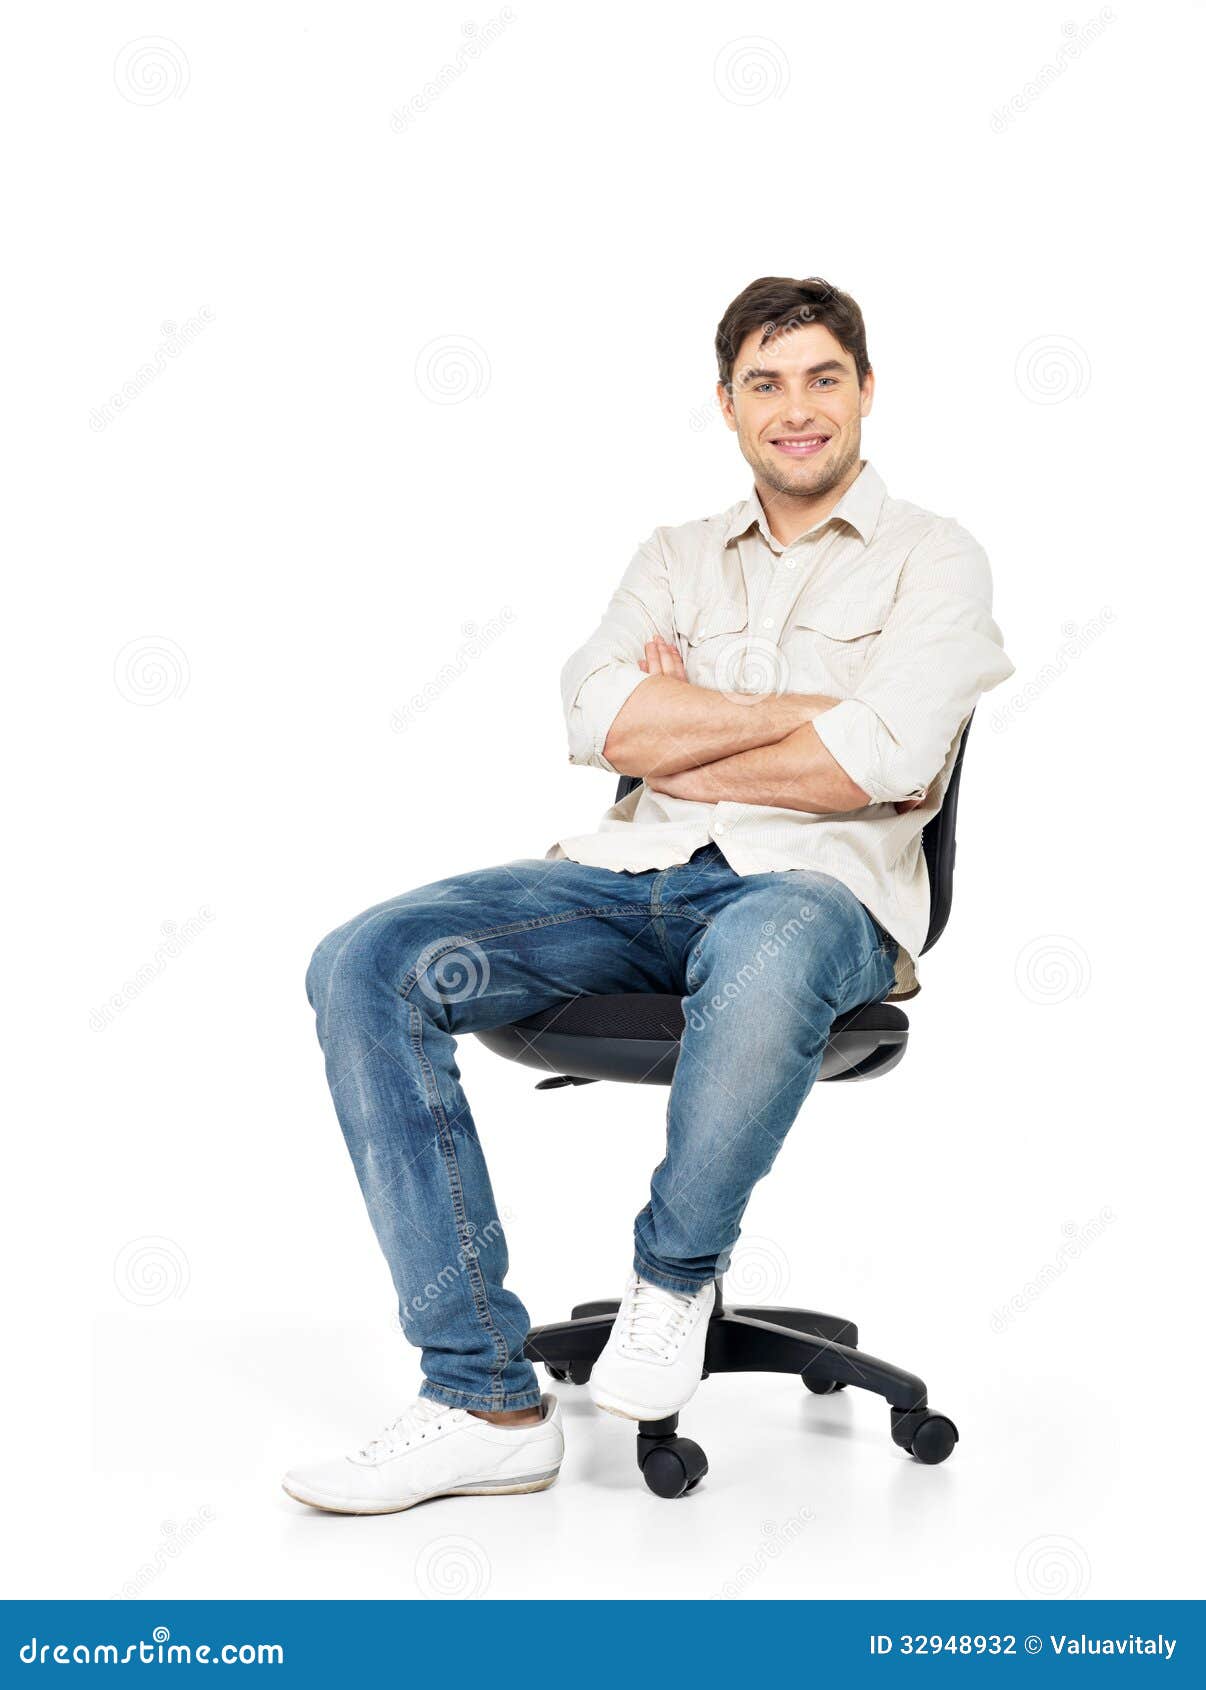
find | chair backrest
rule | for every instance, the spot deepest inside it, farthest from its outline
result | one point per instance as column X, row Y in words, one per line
column 937, row 841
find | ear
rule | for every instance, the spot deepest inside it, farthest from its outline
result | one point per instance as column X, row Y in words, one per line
column 724, row 399
column 867, row 394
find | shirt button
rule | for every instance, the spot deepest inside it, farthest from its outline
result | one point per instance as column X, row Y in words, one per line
column 791, row 562
column 768, row 622
column 719, row 828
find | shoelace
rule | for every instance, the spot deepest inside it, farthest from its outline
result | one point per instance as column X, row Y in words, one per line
column 656, row 1320
column 414, row 1421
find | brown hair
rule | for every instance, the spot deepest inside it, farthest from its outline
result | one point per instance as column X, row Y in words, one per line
column 776, row 304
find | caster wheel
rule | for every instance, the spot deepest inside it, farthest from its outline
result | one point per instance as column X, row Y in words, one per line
column 823, row 1387
column 580, row 1372
column 557, row 1373
column 934, row 1440
column 674, row 1468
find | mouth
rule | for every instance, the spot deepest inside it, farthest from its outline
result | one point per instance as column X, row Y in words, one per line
column 800, row 445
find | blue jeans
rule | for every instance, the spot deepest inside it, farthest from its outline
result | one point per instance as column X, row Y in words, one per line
column 763, row 964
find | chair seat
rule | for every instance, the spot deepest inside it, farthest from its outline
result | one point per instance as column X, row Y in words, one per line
column 634, row 1036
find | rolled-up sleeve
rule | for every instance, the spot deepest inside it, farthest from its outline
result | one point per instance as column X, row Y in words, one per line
column 599, row 678
column 939, row 650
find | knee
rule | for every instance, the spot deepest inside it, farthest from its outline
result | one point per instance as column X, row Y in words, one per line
column 377, row 950
column 318, row 973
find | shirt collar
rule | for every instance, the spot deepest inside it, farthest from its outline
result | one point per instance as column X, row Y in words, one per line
column 859, row 506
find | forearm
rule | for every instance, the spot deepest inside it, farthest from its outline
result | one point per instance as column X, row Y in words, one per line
column 668, row 725
column 796, row 772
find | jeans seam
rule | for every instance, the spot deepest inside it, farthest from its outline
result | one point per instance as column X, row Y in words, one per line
column 656, row 1275
column 455, row 1398
column 452, row 1168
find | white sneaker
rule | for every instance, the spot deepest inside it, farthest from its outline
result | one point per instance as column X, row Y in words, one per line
column 432, row 1450
column 652, row 1362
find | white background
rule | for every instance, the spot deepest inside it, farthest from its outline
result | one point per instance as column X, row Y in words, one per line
column 452, row 365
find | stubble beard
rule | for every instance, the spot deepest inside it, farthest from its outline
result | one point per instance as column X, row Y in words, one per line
column 779, row 480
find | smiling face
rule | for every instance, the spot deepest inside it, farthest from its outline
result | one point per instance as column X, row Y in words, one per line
column 797, row 409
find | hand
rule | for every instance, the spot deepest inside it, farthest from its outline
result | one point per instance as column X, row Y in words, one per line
column 661, row 658
column 696, row 784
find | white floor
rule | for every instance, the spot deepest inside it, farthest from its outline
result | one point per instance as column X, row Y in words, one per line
column 1030, row 1249
column 1062, row 1484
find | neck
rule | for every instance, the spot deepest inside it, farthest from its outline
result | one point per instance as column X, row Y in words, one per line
column 788, row 515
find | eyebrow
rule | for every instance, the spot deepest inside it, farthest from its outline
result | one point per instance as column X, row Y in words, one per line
column 812, row 370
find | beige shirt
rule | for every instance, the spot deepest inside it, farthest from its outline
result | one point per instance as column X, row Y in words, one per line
column 882, row 605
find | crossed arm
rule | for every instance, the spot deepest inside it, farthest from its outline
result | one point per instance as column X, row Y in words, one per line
column 938, row 652
column 692, row 742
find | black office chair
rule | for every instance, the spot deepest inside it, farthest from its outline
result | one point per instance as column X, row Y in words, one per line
column 634, row 1036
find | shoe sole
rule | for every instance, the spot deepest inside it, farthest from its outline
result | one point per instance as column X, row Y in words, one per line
column 517, row 1487
column 631, row 1411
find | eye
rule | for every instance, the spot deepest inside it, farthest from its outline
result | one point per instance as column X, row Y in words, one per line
column 832, row 379
column 762, row 387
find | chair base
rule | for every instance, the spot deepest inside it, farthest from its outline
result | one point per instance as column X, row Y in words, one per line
column 821, row 1348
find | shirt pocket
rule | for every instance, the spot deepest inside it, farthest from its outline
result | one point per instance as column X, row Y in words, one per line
column 830, row 643
column 713, row 636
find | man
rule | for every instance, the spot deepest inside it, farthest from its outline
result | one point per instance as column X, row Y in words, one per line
column 790, row 678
